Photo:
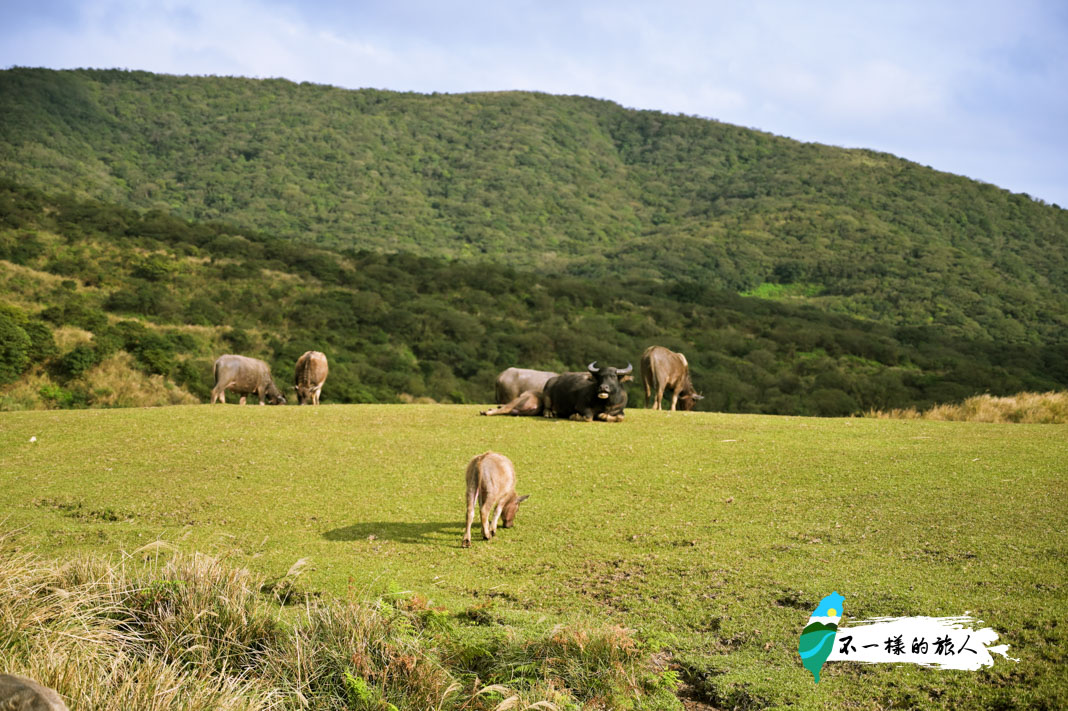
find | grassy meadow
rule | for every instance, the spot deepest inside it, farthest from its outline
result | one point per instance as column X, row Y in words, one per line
column 713, row 536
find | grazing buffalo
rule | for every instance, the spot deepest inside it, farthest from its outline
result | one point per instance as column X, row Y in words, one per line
column 245, row 376
column 587, row 396
column 512, row 382
column 491, row 480
column 527, row 404
column 662, row 369
column 310, row 376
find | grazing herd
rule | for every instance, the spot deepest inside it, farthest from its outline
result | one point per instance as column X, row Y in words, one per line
column 244, row 376
column 596, row 394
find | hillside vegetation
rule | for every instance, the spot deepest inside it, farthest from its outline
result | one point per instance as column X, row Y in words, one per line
column 88, row 290
column 552, row 184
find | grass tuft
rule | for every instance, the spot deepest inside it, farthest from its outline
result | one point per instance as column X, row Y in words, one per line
column 193, row 633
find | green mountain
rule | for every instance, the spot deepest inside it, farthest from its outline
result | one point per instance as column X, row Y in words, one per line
column 553, row 184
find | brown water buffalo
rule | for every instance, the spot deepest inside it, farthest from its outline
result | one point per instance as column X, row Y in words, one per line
column 512, row 382
column 311, row 373
column 528, row 404
column 491, row 481
column 596, row 394
column 662, row 369
column 244, row 376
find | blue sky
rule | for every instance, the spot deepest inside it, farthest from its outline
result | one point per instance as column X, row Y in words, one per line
column 976, row 88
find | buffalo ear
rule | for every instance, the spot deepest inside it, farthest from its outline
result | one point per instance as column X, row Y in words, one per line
column 522, row 498
column 626, row 378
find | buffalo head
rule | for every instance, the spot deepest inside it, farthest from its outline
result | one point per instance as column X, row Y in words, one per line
column 510, row 510
column 608, row 379
column 274, row 396
column 688, row 400
column 305, row 394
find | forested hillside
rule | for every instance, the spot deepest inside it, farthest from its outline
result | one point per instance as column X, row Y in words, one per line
column 555, row 185
column 94, row 295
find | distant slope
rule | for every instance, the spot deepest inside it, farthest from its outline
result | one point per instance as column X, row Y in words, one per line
column 553, row 183
column 83, row 281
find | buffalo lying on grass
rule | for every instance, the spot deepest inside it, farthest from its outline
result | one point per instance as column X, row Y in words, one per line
column 491, row 481
column 596, row 394
column 244, row 376
column 528, row 403
column 512, row 382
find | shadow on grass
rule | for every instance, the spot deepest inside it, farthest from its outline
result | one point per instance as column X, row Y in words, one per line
column 400, row 532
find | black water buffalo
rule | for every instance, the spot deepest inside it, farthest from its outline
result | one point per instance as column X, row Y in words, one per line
column 512, row 382
column 662, row 369
column 596, row 394
column 244, row 376
column 310, row 375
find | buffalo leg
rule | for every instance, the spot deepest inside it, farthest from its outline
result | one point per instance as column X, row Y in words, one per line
column 647, row 391
column 470, row 518
column 659, row 396
column 674, row 399
column 471, row 476
column 496, row 519
column 487, row 514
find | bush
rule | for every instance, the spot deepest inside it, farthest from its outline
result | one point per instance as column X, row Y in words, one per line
column 15, row 348
column 78, row 360
column 42, row 342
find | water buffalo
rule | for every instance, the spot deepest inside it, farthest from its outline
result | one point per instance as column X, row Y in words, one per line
column 587, row 396
column 18, row 693
column 528, row 403
column 244, row 376
column 310, row 376
column 512, row 382
column 491, row 480
column 661, row 369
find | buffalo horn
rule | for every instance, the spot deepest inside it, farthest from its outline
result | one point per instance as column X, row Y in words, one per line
column 592, row 367
column 626, row 371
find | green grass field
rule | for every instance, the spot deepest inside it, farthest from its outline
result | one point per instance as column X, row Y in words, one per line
column 712, row 535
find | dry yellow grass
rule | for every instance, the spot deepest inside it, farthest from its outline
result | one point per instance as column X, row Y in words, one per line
column 67, row 337
column 117, row 383
column 186, row 632
column 1028, row 408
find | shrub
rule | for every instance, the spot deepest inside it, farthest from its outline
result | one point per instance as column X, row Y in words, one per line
column 78, row 360
column 42, row 341
column 15, row 347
